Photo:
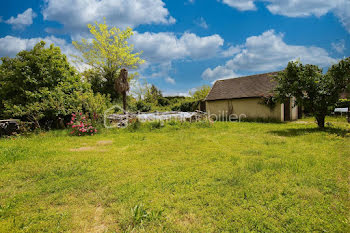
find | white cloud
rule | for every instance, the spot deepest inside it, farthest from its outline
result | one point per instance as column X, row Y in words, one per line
column 339, row 46
column 10, row 45
column 201, row 23
column 232, row 50
column 161, row 49
column 165, row 46
column 268, row 52
column 22, row 20
column 76, row 14
column 175, row 93
column 170, row 80
column 242, row 5
column 219, row 72
column 299, row 8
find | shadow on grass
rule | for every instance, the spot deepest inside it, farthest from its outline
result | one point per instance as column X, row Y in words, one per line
column 303, row 131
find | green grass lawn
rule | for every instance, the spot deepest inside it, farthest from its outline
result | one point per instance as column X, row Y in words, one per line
column 227, row 177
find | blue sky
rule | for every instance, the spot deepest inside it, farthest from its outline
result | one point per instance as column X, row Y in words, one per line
column 188, row 43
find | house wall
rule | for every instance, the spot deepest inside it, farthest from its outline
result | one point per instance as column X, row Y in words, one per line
column 294, row 110
column 251, row 107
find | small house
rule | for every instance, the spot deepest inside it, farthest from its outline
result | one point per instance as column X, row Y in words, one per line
column 244, row 96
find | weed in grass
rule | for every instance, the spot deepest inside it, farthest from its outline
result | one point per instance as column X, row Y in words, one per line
column 141, row 216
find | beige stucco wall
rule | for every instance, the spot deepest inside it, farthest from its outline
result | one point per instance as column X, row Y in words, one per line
column 294, row 110
column 251, row 107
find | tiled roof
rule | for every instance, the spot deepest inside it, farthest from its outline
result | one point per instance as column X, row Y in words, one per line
column 243, row 87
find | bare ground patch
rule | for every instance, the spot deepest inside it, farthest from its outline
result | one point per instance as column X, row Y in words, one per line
column 84, row 148
column 104, row 142
column 93, row 148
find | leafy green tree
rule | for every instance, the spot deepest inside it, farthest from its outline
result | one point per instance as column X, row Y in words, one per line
column 139, row 88
column 41, row 84
column 201, row 92
column 315, row 91
column 107, row 53
column 153, row 94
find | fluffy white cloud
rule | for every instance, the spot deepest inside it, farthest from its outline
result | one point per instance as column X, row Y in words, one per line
column 164, row 46
column 268, row 52
column 232, row 50
column 161, row 49
column 10, row 45
column 22, row 20
column 339, row 46
column 299, row 8
column 242, row 5
column 76, row 14
column 219, row 72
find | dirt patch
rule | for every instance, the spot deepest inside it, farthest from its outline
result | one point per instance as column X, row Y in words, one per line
column 105, row 142
column 93, row 148
column 99, row 226
column 85, row 148
column 303, row 122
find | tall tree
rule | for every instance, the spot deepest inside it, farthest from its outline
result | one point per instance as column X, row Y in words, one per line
column 122, row 85
column 315, row 91
column 153, row 94
column 107, row 53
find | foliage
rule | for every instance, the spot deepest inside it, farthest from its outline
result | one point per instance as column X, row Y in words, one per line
column 251, row 177
column 153, row 94
column 186, row 106
column 141, row 215
column 269, row 101
column 81, row 125
column 162, row 101
column 201, row 92
column 142, row 106
column 40, row 85
column 343, row 103
column 139, row 88
column 107, row 53
column 315, row 91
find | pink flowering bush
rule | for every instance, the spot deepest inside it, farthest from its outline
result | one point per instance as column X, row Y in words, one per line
column 81, row 125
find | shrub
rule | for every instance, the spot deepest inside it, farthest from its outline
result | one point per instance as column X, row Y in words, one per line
column 187, row 106
column 163, row 101
column 50, row 88
column 142, row 106
column 134, row 125
column 81, row 125
column 343, row 103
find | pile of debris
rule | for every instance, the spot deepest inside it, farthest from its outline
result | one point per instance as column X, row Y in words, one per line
column 9, row 127
column 122, row 120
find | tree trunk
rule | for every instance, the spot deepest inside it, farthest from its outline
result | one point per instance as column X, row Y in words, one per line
column 320, row 120
column 124, row 102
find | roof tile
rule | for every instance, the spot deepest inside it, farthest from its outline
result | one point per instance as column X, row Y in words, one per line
column 243, row 87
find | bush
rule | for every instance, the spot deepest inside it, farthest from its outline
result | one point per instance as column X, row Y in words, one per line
column 81, row 125
column 50, row 88
column 142, row 106
column 187, row 106
column 134, row 125
column 163, row 101
column 343, row 103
